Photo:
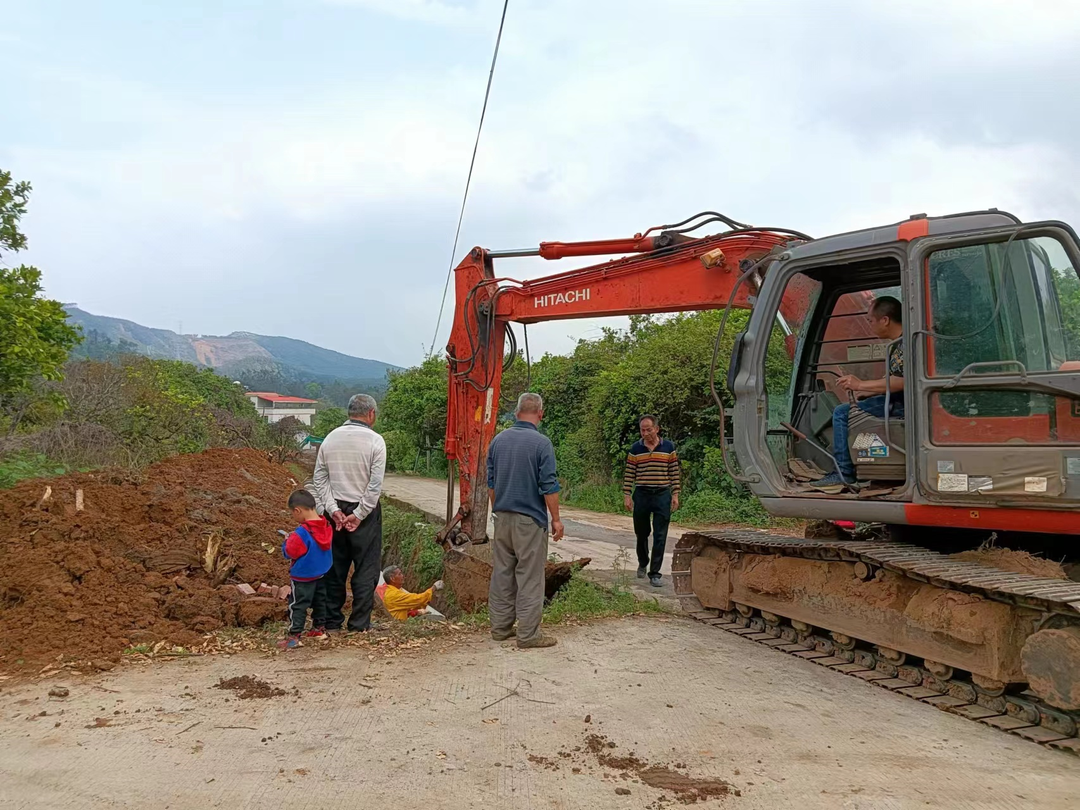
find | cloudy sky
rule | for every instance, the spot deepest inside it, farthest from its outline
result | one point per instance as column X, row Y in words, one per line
column 295, row 167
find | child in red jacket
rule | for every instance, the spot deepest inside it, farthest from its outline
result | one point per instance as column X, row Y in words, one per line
column 309, row 549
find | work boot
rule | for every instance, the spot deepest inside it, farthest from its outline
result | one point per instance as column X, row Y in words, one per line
column 656, row 581
column 535, row 643
column 503, row 635
column 831, row 484
column 641, row 572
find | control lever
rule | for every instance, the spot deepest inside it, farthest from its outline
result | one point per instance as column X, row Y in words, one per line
column 850, row 394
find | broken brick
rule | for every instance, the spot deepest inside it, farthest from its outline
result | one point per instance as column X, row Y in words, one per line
column 283, row 592
column 264, row 588
column 245, row 589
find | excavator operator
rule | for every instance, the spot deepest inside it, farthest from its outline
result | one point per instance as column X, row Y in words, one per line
column 886, row 322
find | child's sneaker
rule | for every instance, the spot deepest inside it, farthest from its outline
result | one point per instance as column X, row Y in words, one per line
column 315, row 632
column 289, row 643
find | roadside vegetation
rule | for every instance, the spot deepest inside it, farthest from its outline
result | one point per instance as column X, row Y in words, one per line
column 409, row 541
column 593, row 398
column 61, row 412
column 581, row 599
column 129, row 412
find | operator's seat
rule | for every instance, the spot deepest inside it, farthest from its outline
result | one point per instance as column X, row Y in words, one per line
column 877, row 456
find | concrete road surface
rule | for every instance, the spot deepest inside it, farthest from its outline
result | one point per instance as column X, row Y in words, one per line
column 370, row 731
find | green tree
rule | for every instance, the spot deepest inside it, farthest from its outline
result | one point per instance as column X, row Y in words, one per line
column 313, row 390
column 14, row 197
column 413, row 415
column 35, row 337
column 566, row 383
column 515, row 381
column 327, row 419
column 665, row 372
column 170, row 407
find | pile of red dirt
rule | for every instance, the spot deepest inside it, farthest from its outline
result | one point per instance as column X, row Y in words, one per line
column 127, row 568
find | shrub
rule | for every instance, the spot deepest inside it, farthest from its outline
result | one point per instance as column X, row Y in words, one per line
column 15, row 468
column 138, row 411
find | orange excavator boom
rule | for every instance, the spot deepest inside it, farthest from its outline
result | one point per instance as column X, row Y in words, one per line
column 670, row 272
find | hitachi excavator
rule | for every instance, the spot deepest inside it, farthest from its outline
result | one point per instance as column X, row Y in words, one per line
column 985, row 457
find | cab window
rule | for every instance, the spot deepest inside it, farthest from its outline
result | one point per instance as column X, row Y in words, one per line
column 1001, row 305
column 1008, row 307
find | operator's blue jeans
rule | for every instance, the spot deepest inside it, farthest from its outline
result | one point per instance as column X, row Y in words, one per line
column 875, row 406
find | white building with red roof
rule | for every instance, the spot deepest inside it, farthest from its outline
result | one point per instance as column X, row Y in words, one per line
column 275, row 407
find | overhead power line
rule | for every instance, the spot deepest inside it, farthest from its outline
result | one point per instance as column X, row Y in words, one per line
column 468, row 181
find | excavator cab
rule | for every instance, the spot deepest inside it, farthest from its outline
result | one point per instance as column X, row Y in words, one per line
column 991, row 399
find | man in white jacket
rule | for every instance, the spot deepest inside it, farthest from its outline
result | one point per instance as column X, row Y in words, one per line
column 348, row 481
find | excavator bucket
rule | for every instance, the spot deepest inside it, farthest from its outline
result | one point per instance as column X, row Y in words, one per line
column 467, row 571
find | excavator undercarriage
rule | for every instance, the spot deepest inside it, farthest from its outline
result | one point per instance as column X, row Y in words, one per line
column 988, row 644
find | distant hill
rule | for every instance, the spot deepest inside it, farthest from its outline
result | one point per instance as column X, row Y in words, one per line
column 239, row 355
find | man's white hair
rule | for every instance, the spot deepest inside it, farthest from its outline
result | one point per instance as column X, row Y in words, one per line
column 529, row 403
column 361, row 405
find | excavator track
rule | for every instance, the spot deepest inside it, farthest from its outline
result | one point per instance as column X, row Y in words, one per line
column 1038, row 602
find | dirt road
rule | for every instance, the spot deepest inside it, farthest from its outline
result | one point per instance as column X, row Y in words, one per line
column 352, row 731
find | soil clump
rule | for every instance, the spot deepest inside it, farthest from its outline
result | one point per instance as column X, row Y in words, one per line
column 687, row 789
column 126, row 568
column 248, row 687
column 684, row 789
column 1016, row 562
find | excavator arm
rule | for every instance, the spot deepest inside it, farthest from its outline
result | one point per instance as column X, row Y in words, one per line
column 668, row 272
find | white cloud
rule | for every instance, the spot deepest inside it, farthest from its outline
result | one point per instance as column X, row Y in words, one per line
column 437, row 12
column 819, row 118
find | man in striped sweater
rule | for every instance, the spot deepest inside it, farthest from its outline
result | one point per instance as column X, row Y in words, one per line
column 651, row 492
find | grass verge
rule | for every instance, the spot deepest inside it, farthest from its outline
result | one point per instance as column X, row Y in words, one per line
column 581, row 599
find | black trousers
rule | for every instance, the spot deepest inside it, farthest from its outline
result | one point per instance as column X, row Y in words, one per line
column 360, row 550
column 651, row 505
column 307, row 595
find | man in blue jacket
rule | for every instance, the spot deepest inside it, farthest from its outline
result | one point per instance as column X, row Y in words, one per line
column 523, row 488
